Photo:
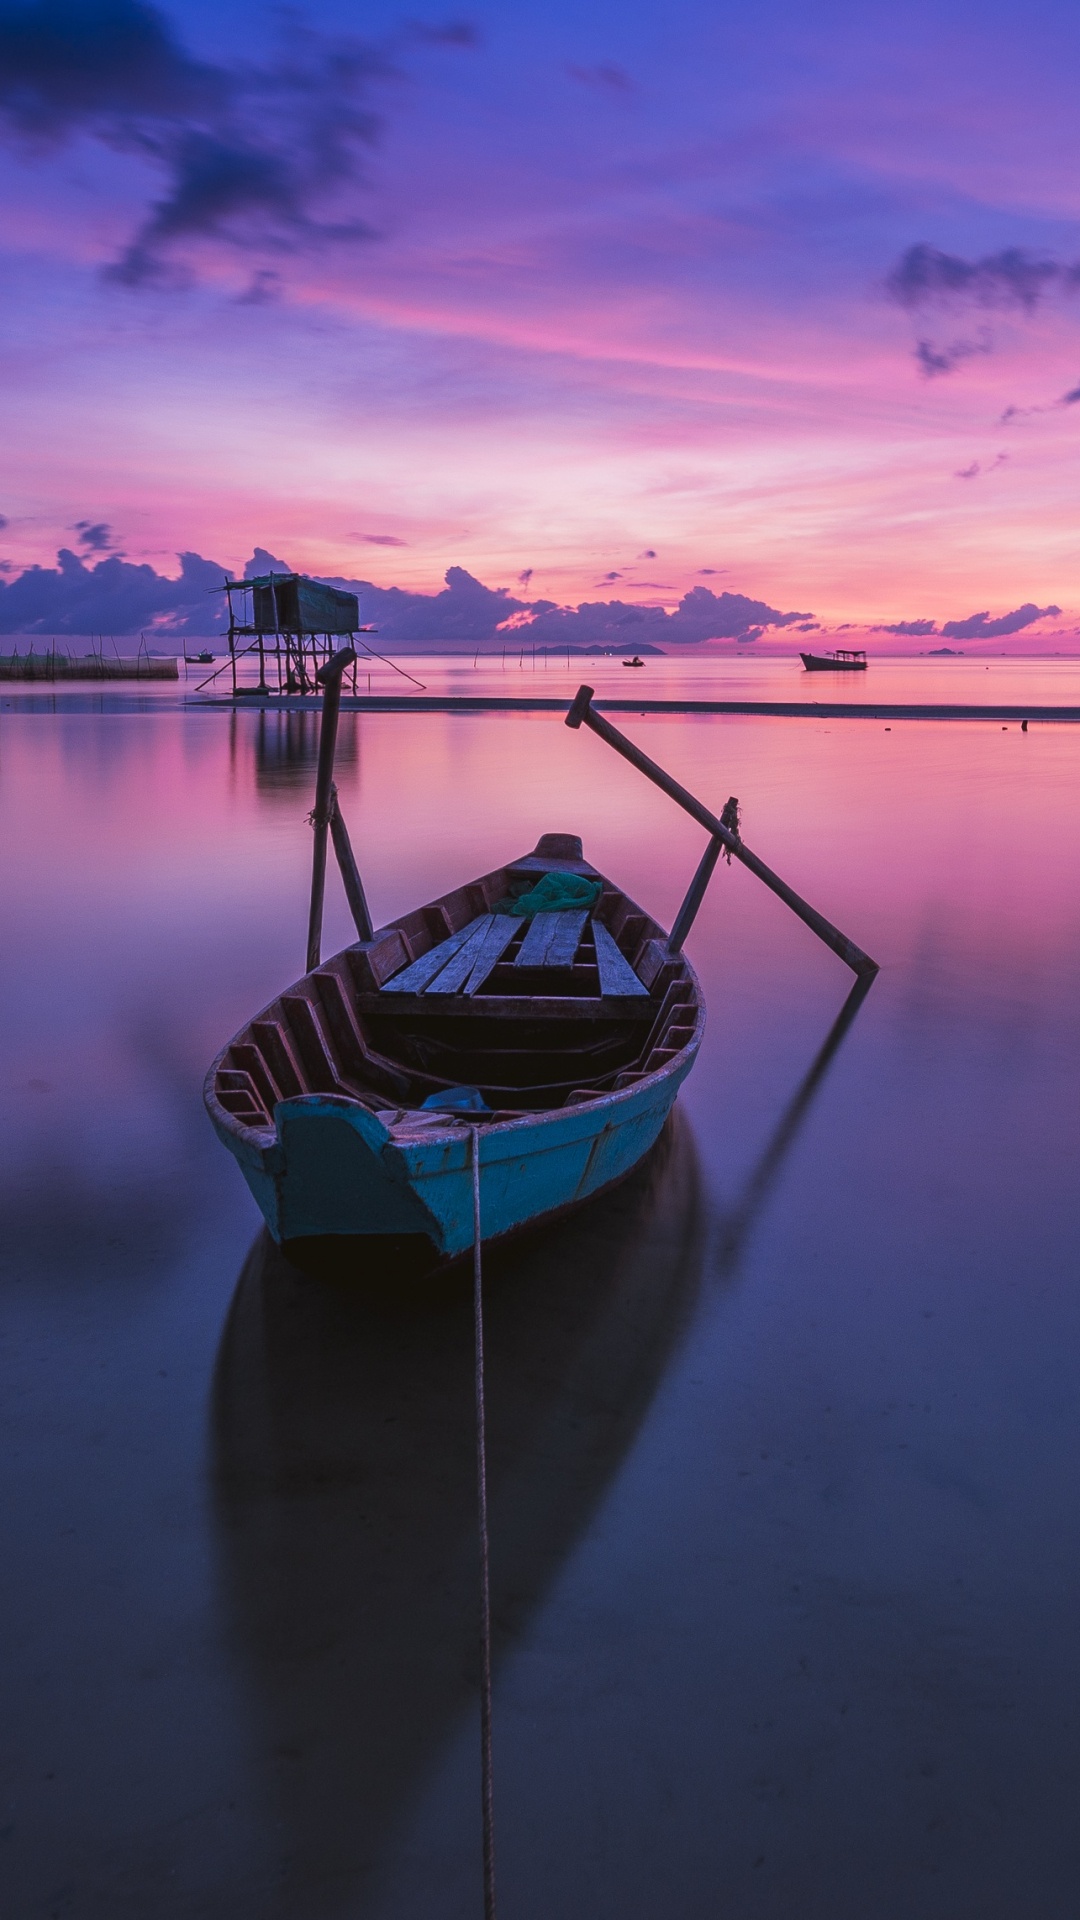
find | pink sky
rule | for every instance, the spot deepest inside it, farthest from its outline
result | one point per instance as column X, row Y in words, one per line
column 621, row 291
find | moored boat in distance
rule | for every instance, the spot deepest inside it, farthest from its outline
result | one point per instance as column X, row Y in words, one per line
column 637, row 661
column 843, row 660
column 558, row 1029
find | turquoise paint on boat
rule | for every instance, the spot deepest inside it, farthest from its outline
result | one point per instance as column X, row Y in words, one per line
column 359, row 1155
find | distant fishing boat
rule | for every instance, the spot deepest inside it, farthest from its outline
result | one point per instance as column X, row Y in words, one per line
column 635, row 662
column 203, row 659
column 524, row 1035
column 844, row 660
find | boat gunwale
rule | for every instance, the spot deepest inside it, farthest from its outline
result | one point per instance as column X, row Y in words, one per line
column 264, row 1139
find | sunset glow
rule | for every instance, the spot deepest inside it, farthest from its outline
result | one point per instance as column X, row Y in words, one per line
column 614, row 297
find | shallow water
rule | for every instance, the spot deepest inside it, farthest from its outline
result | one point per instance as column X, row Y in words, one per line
column 518, row 674
column 784, row 1434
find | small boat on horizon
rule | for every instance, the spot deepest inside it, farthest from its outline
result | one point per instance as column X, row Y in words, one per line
column 637, row 661
column 843, row 660
column 203, row 659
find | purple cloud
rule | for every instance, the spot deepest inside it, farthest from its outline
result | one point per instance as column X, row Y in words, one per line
column 925, row 276
column 979, row 626
column 932, row 360
column 95, row 536
column 253, row 154
column 118, row 597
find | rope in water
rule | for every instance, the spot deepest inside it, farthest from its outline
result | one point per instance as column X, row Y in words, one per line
column 486, row 1791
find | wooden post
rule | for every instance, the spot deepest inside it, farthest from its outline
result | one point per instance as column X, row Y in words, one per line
column 350, row 872
column 581, row 713
column 687, row 913
column 330, row 676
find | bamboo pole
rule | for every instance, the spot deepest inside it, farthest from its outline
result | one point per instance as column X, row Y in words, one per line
column 330, row 676
column 582, row 713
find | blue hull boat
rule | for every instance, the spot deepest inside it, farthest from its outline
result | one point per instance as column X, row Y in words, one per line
column 559, row 1036
column 484, row 1062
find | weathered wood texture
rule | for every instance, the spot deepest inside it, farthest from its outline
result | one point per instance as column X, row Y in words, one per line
column 552, row 939
column 415, row 978
column 492, row 947
column 617, row 976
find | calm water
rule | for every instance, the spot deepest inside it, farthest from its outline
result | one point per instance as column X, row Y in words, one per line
column 748, row 675
column 784, row 1434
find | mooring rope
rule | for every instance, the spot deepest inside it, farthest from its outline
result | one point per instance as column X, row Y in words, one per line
column 486, row 1790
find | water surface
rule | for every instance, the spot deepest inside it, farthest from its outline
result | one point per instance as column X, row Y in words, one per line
column 784, row 1448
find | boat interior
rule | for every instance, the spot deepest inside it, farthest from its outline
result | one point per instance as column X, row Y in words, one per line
column 534, row 1012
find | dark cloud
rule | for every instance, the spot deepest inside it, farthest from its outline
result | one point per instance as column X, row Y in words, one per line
column 381, row 540
column 650, row 554
column 932, row 360
column 68, row 64
column 254, row 155
column 979, row 626
column 117, row 597
column 906, row 627
column 1069, row 399
column 263, row 562
column 525, row 576
column 925, row 276
column 94, row 535
column 114, row 597
column 977, row 467
column 3, row 521
column 603, row 78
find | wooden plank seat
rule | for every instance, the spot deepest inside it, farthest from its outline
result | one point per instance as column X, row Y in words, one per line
column 552, row 939
column 464, row 962
column 617, row 976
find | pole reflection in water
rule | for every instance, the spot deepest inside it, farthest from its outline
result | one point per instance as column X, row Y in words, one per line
column 344, row 1461
column 736, row 1222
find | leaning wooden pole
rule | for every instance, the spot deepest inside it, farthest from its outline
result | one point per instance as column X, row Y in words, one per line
column 582, row 714
column 325, row 798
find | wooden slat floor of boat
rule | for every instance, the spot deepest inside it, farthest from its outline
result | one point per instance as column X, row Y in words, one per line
column 617, row 976
column 552, row 939
column 414, row 978
column 452, row 977
column 494, row 944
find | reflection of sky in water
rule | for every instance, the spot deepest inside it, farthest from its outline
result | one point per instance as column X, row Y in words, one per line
column 816, row 1612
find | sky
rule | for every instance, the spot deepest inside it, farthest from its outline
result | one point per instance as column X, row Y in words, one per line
column 586, row 303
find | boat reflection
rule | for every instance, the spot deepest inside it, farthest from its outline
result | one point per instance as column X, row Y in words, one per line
column 343, row 1455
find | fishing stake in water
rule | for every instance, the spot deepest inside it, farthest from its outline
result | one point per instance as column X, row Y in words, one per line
column 725, row 838
column 326, row 816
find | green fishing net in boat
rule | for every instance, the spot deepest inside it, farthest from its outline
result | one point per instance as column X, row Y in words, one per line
column 553, row 893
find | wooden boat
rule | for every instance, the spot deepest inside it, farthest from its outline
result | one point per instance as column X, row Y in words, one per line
column 844, row 660
column 535, row 1016
column 203, row 659
column 635, row 662
column 563, row 1037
